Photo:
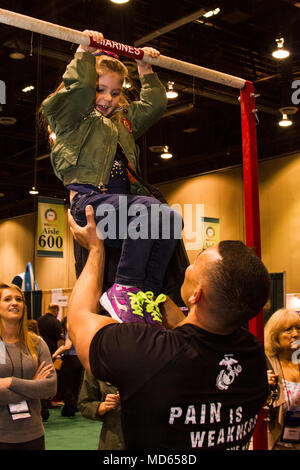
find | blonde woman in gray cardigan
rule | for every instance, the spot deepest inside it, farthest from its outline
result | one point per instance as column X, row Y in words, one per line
column 26, row 375
column 282, row 346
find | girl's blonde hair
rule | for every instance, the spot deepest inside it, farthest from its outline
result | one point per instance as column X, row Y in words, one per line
column 27, row 339
column 281, row 320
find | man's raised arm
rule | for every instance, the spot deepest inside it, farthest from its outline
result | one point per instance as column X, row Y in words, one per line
column 82, row 320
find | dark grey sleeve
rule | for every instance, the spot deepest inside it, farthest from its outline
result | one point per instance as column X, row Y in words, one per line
column 43, row 388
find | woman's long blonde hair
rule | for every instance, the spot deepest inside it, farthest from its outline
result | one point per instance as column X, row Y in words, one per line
column 27, row 340
column 280, row 320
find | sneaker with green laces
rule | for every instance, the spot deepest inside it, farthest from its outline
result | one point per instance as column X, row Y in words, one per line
column 124, row 304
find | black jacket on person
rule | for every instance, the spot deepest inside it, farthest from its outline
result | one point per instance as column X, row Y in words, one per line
column 50, row 330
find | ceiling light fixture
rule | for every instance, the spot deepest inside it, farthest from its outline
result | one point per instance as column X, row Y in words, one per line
column 280, row 52
column 33, row 191
column 212, row 13
column 52, row 136
column 171, row 93
column 17, row 55
column 119, row 2
column 166, row 154
column 209, row 14
column 126, row 84
column 285, row 120
column 28, row 88
column 7, row 120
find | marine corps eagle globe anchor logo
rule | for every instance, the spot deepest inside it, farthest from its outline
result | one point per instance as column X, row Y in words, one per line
column 229, row 373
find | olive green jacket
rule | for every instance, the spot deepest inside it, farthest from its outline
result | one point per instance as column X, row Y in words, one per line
column 92, row 393
column 86, row 141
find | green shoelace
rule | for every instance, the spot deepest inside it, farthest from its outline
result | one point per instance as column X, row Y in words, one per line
column 136, row 302
column 153, row 307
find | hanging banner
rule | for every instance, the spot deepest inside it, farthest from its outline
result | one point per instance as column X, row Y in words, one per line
column 50, row 227
column 211, row 232
column 26, row 281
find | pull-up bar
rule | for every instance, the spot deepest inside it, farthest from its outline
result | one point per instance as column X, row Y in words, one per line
column 78, row 37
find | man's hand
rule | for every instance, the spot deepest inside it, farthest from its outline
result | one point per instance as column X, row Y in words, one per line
column 111, row 401
column 86, row 236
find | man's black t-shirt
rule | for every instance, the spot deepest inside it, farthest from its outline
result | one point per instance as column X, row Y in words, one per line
column 183, row 389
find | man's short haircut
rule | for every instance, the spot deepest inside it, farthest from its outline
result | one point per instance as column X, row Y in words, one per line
column 53, row 307
column 238, row 286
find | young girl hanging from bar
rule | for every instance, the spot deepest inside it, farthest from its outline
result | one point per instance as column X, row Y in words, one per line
column 96, row 157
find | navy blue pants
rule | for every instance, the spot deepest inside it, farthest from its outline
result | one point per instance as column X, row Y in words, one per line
column 147, row 237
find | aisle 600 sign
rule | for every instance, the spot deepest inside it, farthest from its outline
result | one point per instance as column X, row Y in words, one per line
column 50, row 227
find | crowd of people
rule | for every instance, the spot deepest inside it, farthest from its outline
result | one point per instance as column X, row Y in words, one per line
column 155, row 377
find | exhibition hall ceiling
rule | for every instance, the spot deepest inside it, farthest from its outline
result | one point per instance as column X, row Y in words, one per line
column 202, row 125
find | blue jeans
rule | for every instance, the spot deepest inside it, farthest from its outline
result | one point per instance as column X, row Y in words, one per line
column 143, row 261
